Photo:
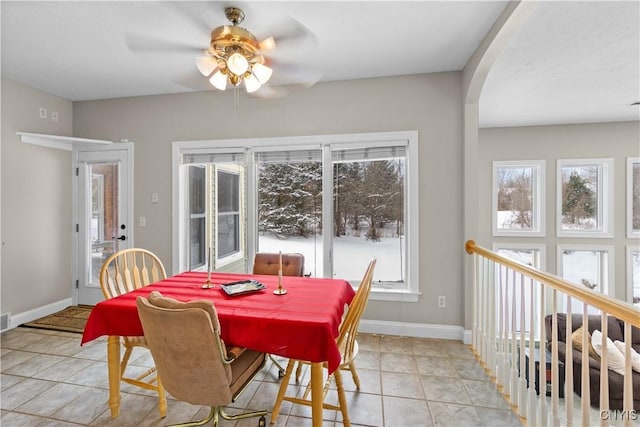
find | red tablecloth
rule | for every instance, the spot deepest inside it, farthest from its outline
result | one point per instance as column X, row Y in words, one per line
column 303, row 324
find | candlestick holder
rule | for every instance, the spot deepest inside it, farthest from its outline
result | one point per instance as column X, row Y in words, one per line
column 208, row 285
column 280, row 290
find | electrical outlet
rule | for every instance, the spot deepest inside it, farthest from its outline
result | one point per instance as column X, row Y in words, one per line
column 54, row 116
column 143, row 221
column 442, row 302
column 43, row 113
column 155, row 197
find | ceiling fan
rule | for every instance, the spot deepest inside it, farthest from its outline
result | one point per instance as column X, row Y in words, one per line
column 236, row 57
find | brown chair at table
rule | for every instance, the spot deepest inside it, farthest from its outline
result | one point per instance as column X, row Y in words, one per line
column 195, row 365
column 348, row 346
column 269, row 264
column 123, row 272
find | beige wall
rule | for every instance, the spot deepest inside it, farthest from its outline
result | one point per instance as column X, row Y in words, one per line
column 430, row 104
column 36, row 202
column 550, row 143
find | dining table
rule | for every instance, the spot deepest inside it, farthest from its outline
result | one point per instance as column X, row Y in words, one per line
column 301, row 324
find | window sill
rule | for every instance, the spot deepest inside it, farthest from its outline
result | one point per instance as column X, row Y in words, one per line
column 393, row 295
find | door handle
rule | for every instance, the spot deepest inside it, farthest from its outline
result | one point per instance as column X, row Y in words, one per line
column 123, row 237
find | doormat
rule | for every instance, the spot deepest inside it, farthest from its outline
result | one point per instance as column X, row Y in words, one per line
column 71, row 319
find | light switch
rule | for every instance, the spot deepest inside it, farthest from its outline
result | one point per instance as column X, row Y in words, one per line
column 155, row 198
column 143, row 221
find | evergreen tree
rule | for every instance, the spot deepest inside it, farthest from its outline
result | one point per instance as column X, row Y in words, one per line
column 578, row 200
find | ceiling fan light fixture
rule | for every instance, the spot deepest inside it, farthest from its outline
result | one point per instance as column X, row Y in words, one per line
column 206, row 65
column 237, row 64
column 251, row 83
column 267, row 44
column 219, row 80
column 262, row 72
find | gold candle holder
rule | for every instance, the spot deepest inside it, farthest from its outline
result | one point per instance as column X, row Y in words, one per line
column 280, row 290
column 208, row 284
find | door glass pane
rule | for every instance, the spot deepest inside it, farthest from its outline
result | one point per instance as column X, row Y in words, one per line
column 369, row 214
column 290, row 207
column 228, row 213
column 104, row 215
column 197, row 220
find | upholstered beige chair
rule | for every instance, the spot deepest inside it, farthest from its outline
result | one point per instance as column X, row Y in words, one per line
column 268, row 264
column 123, row 272
column 348, row 349
column 195, row 365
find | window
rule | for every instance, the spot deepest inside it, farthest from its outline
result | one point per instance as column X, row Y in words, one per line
column 97, row 208
column 588, row 266
column 584, row 198
column 633, row 275
column 228, row 229
column 633, row 197
column 518, row 195
column 338, row 199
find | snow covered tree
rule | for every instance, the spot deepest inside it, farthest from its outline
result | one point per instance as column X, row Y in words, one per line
column 578, row 200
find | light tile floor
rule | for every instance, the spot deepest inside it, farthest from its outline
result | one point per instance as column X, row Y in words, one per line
column 48, row 379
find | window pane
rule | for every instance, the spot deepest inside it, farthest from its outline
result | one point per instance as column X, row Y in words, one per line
column 369, row 213
column 580, row 197
column 228, row 192
column 586, row 268
column 290, row 209
column 228, row 234
column 515, row 198
column 196, row 242
column 197, row 188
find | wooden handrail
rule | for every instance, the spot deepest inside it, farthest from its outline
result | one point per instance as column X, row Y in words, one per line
column 614, row 307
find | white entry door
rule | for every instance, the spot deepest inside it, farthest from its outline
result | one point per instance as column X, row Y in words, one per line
column 104, row 214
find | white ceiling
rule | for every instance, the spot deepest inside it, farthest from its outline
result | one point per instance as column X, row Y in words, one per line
column 571, row 62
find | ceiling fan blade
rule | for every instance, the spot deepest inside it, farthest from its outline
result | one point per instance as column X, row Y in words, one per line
column 193, row 12
column 144, row 44
column 194, row 81
column 289, row 33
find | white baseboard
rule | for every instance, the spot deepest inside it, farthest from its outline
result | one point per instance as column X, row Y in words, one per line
column 419, row 330
column 36, row 313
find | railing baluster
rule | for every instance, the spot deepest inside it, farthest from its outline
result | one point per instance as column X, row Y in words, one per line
column 554, row 359
column 584, row 393
column 500, row 338
column 568, row 366
column 532, row 406
column 542, row 365
column 522, row 395
column 514, row 373
column 627, row 400
column 604, row 373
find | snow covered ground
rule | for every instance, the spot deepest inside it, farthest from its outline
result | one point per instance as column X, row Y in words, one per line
column 351, row 255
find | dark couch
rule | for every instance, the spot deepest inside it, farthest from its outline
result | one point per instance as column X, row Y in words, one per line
column 615, row 331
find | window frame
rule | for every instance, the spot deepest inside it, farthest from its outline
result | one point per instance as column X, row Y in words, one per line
column 221, row 261
column 538, row 198
column 631, row 232
column 326, row 142
column 610, row 273
column 629, row 268
column 604, row 198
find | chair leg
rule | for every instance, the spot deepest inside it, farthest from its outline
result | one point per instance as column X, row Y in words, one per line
column 298, row 371
column 162, row 398
column 354, row 375
column 342, row 399
column 278, row 365
column 213, row 415
column 283, row 388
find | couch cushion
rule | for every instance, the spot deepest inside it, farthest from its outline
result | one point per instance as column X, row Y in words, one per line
column 615, row 359
column 577, row 339
column 614, row 330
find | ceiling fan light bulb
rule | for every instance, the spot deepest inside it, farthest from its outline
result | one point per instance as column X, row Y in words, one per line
column 206, row 65
column 237, row 64
column 219, row 80
column 251, row 83
column 262, row 72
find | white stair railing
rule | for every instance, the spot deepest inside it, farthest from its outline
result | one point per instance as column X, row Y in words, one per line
column 515, row 307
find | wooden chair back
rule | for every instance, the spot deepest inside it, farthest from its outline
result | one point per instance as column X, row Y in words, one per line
column 268, row 264
column 130, row 269
column 349, row 327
